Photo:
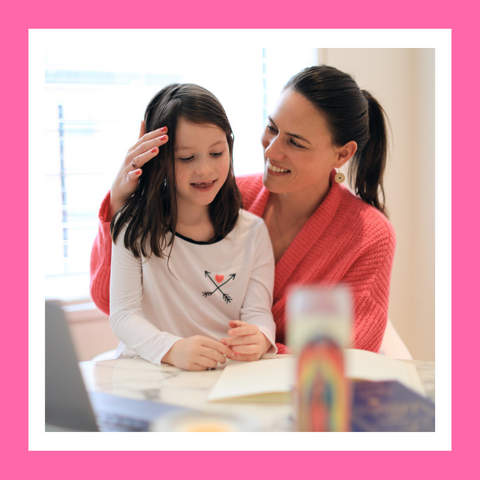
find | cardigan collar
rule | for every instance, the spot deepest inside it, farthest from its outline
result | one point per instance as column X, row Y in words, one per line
column 310, row 232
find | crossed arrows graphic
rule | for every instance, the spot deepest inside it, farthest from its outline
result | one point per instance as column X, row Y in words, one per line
column 226, row 297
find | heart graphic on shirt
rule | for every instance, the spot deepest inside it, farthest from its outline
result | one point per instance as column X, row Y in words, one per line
column 218, row 283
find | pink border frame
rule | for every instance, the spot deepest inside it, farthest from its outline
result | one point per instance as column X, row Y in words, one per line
column 17, row 19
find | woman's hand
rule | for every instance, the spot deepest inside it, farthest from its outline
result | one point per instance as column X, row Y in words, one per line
column 197, row 353
column 126, row 181
column 246, row 341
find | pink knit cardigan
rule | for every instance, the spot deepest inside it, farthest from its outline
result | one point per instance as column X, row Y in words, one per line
column 345, row 241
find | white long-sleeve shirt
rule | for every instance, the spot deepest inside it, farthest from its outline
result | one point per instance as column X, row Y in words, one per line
column 204, row 286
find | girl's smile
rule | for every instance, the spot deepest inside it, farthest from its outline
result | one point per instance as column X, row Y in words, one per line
column 204, row 186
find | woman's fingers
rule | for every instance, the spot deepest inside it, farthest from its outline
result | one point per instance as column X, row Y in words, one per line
column 142, row 159
column 126, row 181
column 146, row 151
column 133, row 176
column 148, row 137
column 142, row 129
column 147, row 145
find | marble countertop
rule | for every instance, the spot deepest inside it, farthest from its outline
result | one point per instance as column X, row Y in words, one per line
column 139, row 379
column 136, row 378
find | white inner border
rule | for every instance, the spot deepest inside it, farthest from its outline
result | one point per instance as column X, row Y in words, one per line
column 439, row 440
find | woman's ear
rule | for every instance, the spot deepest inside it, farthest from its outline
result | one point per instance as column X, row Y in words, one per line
column 345, row 153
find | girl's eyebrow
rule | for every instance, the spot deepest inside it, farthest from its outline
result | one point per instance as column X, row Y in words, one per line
column 192, row 148
column 290, row 134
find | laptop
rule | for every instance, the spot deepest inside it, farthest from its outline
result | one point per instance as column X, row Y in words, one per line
column 68, row 405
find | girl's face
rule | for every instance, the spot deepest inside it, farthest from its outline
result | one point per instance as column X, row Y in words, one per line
column 298, row 150
column 202, row 163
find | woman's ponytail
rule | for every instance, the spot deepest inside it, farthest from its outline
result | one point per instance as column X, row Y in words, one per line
column 368, row 165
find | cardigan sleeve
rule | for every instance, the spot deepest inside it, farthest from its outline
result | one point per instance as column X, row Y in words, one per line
column 282, row 348
column 100, row 261
column 371, row 295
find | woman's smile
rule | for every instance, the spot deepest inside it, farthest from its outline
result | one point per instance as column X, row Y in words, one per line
column 275, row 169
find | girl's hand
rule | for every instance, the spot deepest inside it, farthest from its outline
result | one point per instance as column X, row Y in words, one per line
column 246, row 341
column 197, row 353
column 126, row 181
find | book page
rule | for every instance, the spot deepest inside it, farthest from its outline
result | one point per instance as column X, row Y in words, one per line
column 364, row 365
column 265, row 377
column 272, row 379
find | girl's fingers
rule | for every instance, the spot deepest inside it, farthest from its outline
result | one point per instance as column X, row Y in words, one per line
column 245, row 349
column 244, row 330
column 236, row 323
column 206, row 362
column 242, row 340
column 196, row 367
column 212, row 355
column 221, row 350
column 245, row 358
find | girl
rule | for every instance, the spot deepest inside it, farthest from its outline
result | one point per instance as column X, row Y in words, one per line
column 187, row 262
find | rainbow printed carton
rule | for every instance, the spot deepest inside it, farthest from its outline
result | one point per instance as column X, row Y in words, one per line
column 320, row 320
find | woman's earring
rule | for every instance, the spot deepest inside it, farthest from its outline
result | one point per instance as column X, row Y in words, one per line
column 339, row 177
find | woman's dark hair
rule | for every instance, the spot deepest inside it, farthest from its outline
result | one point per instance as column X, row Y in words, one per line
column 151, row 212
column 351, row 114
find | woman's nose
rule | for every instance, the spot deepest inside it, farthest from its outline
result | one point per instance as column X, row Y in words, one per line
column 272, row 147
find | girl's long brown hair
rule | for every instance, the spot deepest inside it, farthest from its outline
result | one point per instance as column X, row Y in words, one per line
column 151, row 212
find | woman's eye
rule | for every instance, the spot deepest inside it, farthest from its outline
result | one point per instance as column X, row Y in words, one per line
column 295, row 144
column 219, row 154
column 186, row 159
column 272, row 129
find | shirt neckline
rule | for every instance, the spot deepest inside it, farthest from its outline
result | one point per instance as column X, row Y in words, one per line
column 190, row 240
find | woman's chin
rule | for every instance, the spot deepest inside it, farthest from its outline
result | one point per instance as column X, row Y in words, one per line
column 272, row 184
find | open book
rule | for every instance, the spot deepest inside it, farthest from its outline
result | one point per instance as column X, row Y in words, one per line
column 272, row 379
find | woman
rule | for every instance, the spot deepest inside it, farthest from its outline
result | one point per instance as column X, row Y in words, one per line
column 320, row 232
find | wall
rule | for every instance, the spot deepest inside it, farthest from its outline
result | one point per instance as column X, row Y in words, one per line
column 90, row 330
column 403, row 80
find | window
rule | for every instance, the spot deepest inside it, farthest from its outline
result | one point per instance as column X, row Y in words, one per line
column 97, row 85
